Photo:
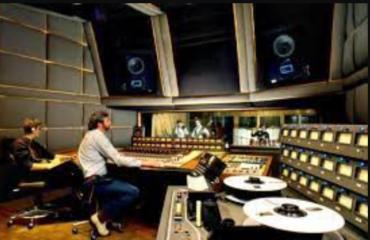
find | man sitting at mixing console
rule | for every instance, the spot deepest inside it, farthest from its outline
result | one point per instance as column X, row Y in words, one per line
column 94, row 151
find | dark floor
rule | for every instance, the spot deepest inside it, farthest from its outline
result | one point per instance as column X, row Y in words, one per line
column 135, row 229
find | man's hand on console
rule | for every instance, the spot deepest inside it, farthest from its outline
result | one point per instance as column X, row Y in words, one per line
column 152, row 164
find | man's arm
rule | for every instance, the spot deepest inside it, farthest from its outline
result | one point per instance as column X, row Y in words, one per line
column 106, row 148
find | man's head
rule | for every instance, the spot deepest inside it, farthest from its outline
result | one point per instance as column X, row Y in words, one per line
column 198, row 123
column 100, row 120
column 32, row 126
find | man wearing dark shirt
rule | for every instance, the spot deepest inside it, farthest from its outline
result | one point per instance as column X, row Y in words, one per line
column 28, row 153
column 34, row 160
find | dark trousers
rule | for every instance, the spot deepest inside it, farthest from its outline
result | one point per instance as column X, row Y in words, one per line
column 116, row 196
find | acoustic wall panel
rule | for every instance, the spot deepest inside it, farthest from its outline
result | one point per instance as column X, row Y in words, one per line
column 65, row 79
column 19, row 133
column 24, row 15
column 64, row 114
column 91, row 86
column 65, row 52
column 13, row 111
column 361, row 106
column 18, row 39
column 64, row 139
column 22, row 72
column 89, row 110
column 88, row 62
column 124, row 118
column 121, row 137
column 66, row 27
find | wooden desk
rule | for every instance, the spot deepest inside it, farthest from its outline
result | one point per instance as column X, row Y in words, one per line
column 56, row 162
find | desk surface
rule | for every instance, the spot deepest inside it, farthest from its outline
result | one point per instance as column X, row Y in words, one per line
column 56, row 162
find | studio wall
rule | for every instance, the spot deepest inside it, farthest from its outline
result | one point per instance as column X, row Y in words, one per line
column 47, row 71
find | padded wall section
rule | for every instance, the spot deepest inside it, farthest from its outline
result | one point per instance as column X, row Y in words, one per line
column 22, row 72
column 65, row 52
column 66, row 27
column 19, row 39
column 121, row 137
column 89, row 110
column 18, row 133
column 24, row 15
column 361, row 104
column 28, row 37
column 357, row 105
column 91, row 86
column 88, row 62
column 14, row 110
column 350, row 106
column 64, row 139
column 65, row 79
column 124, row 118
column 64, row 114
column 356, row 46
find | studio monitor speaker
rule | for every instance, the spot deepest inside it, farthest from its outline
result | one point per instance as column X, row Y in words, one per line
column 134, row 75
column 293, row 43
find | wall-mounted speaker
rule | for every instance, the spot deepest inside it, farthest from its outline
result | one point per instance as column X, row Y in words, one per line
column 134, row 75
column 293, row 43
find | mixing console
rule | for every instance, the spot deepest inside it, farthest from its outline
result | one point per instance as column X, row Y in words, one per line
column 172, row 157
column 247, row 165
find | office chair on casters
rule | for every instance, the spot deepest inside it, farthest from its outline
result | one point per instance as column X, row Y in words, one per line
column 18, row 183
column 38, row 212
column 90, row 204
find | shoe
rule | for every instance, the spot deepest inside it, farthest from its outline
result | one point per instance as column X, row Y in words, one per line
column 100, row 227
column 117, row 227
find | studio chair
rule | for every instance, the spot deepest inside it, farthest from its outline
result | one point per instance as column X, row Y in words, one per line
column 36, row 214
column 18, row 185
column 89, row 204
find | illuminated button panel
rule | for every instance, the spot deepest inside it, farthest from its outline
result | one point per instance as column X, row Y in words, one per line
column 329, row 193
column 346, row 201
column 345, row 138
column 363, row 210
column 328, row 137
column 303, row 134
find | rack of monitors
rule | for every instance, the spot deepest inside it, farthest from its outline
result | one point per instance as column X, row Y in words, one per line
column 351, row 205
column 179, row 143
column 344, row 140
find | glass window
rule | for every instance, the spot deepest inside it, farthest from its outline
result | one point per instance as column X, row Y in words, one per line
column 270, row 122
column 247, row 122
column 292, row 119
column 308, row 119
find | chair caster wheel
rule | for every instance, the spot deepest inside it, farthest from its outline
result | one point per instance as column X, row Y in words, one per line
column 94, row 235
column 10, row 223
column 75, row 231
column 30, row 225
